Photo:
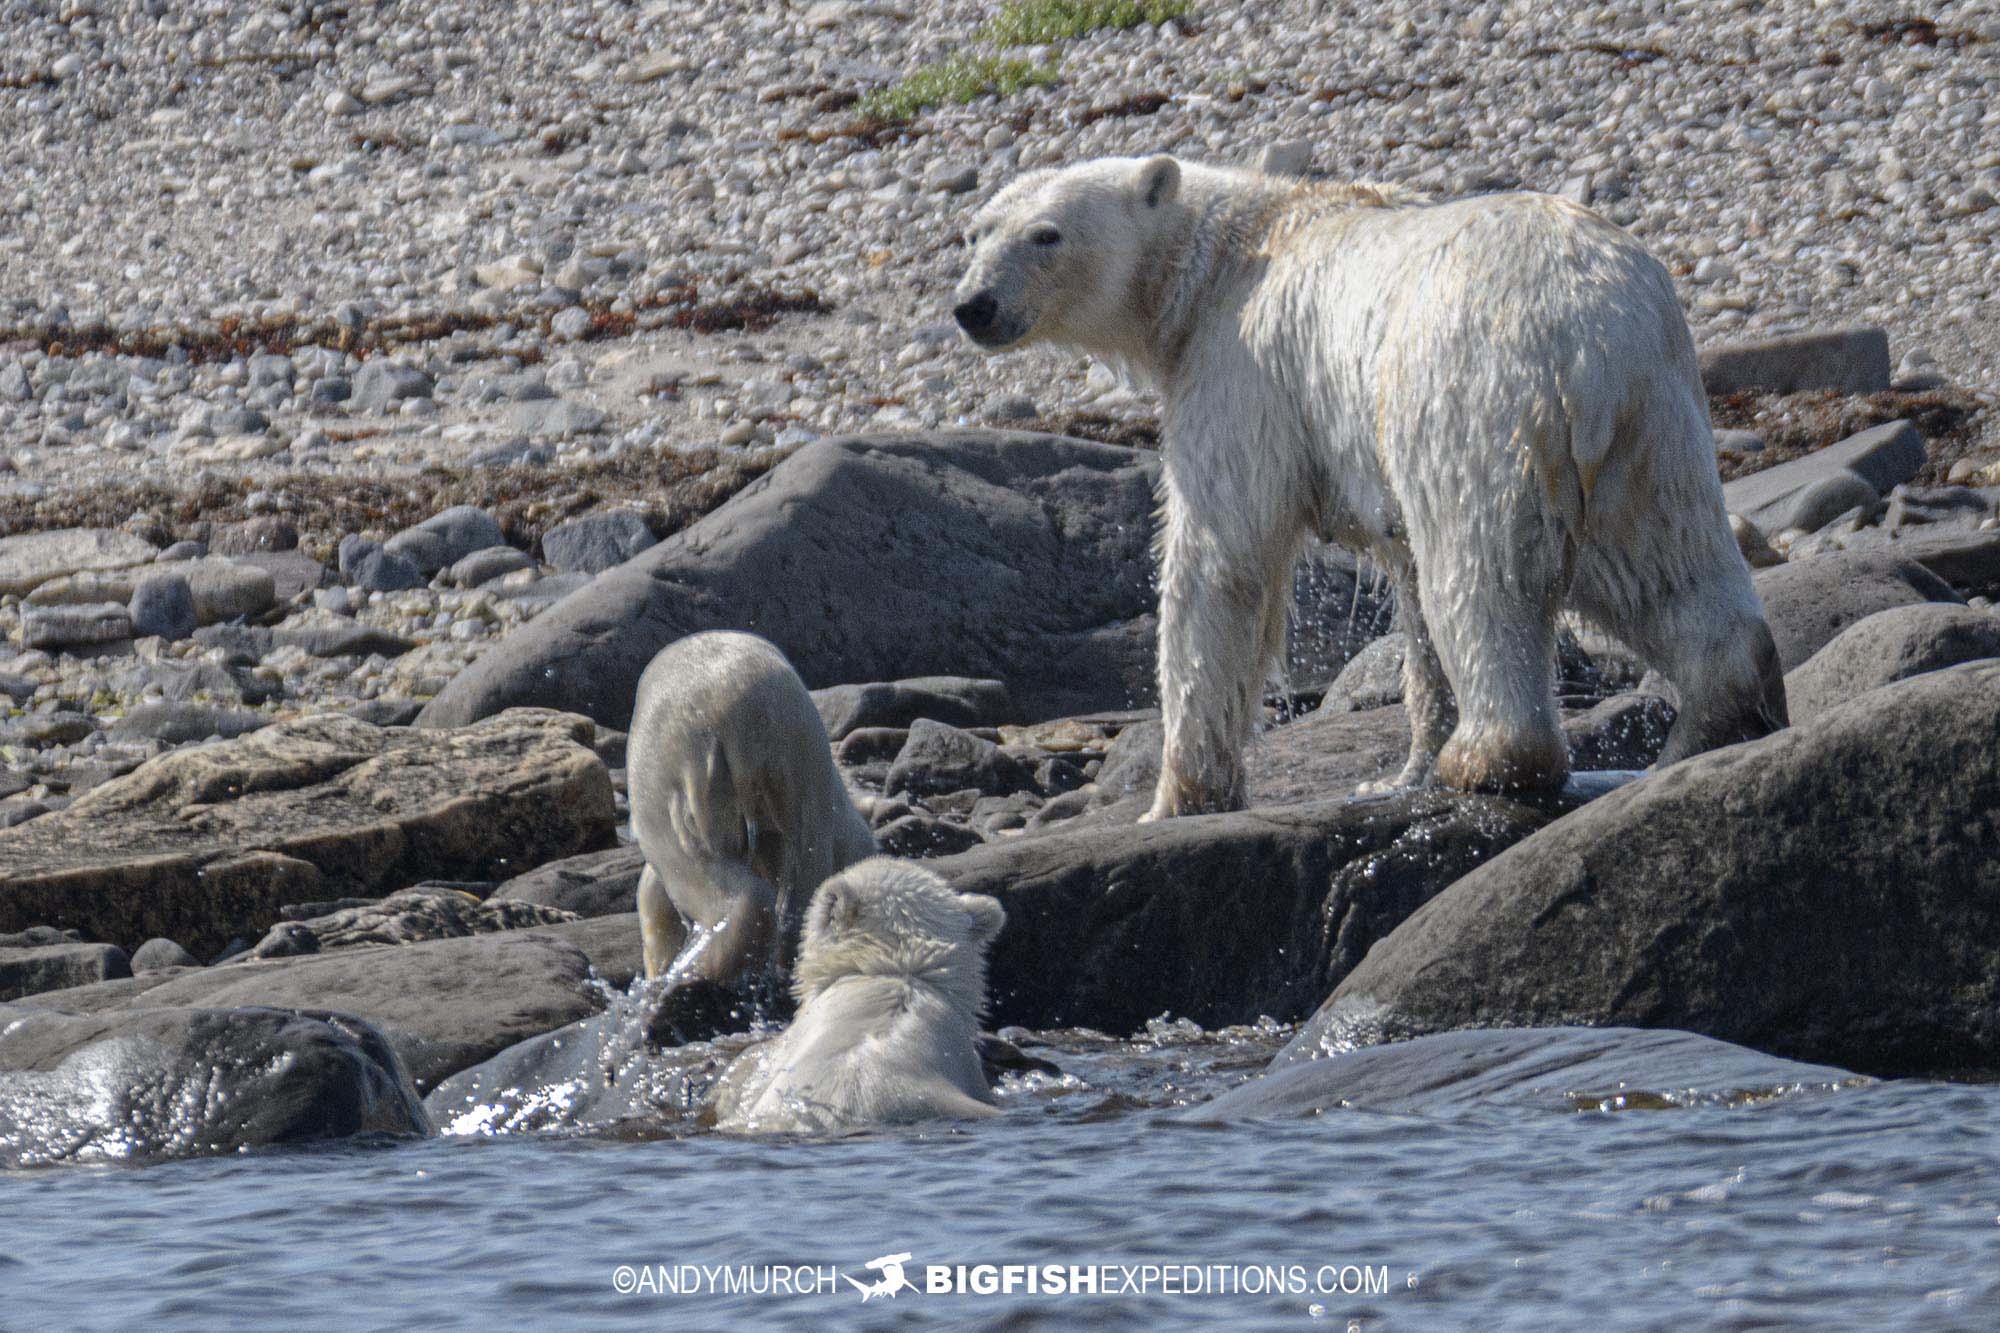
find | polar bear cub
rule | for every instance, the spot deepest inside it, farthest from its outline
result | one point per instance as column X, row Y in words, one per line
column 736, row 804
column 891, row 983
column 1496, row 398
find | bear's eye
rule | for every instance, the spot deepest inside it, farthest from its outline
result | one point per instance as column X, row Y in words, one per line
column 1044, row 235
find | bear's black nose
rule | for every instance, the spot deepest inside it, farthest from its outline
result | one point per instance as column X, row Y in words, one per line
column 976, row 316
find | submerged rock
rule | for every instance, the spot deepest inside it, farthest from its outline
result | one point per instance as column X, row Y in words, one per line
column 1557, row 1069
column 153, row 1083
column 1831, row 892
column 443, row 1005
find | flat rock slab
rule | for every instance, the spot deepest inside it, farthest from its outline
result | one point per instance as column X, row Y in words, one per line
column 1848, row 360
column 1008, row 556
column 1219, row 918
column 1554, row 1069
column 30, row 971
column 594, row 884
column 1831, row 892
column 1807, row 492
column 204, row 845
column 32, row 559
column 443, row 1005
column 157, row 1083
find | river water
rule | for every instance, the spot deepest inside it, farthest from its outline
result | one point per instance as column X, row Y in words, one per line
column 1863, row 1205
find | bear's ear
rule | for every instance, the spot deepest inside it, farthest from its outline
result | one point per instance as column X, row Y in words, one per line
column 832, row 910
column 1159, row 180
column 987, row 916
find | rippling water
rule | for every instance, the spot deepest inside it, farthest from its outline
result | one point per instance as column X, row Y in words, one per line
column 1876, row 1205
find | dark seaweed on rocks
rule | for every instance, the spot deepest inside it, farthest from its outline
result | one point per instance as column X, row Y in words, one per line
column 672, row 487
column 1796, row 424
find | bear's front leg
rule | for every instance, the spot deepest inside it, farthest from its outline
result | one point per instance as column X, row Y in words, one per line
column 1218, row 567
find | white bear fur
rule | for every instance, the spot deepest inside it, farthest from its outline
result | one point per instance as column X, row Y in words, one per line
column 891, row 983
column 1496, row 398
column 736, row 804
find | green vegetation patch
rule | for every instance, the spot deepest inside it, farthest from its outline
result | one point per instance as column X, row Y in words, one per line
column 1033, row 22
column 959, row 79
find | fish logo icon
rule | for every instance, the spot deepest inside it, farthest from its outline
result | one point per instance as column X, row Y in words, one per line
column 890, row 1266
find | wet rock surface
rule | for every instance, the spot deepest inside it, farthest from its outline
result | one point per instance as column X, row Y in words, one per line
column 1826, row 893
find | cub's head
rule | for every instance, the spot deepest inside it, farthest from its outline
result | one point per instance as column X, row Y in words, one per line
column 1055, row 255
column 884, row 917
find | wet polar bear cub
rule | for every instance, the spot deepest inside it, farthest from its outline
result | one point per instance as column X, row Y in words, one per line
column 891, row 983
column 1496, row 398
column 735, row 802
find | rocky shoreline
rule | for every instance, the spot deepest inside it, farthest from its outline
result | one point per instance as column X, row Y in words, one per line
column 356, row 457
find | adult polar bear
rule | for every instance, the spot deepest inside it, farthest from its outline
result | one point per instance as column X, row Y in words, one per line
column 1496, row 398
column 736, row 804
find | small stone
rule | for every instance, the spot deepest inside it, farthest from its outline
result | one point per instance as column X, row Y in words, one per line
column 156, row 955
column 380, row 384
column 1290, row 158
column 955, row 178
column 570, row 323
column 484, row 566
column 340, row 102
column 1738, row 442
column 556, row 418
column 367, row 565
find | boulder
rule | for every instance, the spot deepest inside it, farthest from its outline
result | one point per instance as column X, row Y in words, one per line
column 1552, row 1069
column 1219, row 918
column 591, row 885
column 1808, row 493
column 445, row 538
column 203, row 844
column 593, row 543
column 443, row 1005
column 1002, row 555
column 1888, row 646
column 31, row 559
column 1807, row 602
column 180, row 723
column 489, row 564
column 953, row 700
column 1831, row 892
column 1846, row 360
column 372, row 566
column 156, row 1083
column 31, row 971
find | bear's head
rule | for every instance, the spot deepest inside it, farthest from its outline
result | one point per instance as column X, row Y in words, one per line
column 1057, row 256
column 888, row 918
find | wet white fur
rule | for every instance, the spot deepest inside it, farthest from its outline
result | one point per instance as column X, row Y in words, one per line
column 891, row 983
column 736, row 803
column 1496, row 398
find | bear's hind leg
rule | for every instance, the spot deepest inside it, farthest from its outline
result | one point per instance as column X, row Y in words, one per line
column 1494, row 624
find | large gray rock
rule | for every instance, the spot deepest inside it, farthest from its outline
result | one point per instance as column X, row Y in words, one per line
column 203, row 844
column 1830, row 893
column 31, row 559
column 1888, row 646
column 952, row 700
column 938, row 759
column 1553, row 1069
column 1848, row 360
column 31, row 971
column 443, row 1005
column 1808, row 493
column 1016, row 557
column 1807, row 602
column 156, row 1083
column 1218, row 918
